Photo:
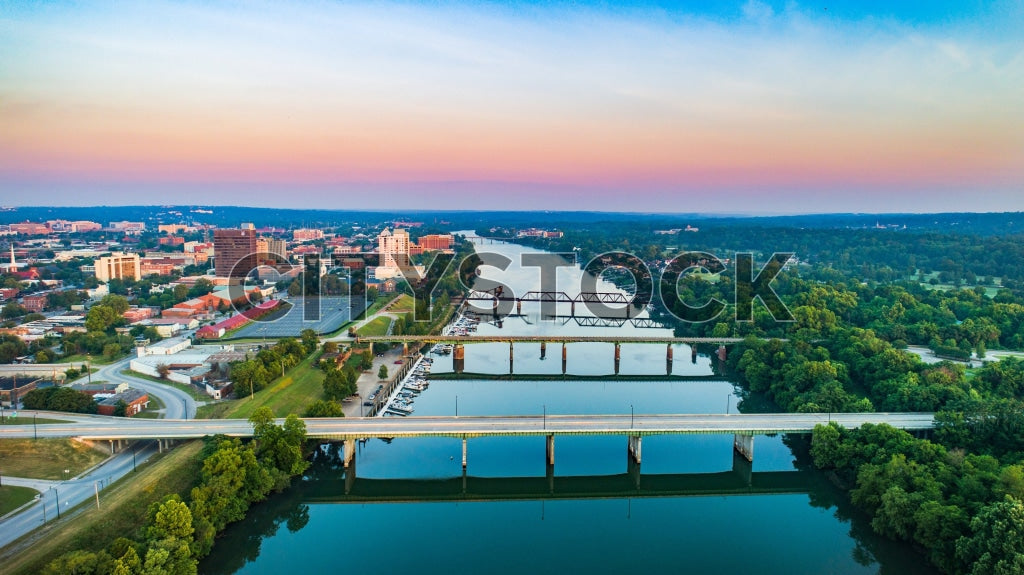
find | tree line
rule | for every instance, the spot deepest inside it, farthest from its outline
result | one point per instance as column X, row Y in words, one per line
column 234, row 475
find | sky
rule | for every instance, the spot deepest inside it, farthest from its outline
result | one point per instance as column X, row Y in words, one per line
column 708, row 106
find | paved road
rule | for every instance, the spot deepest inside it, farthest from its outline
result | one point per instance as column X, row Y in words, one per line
column 177, row 403
column 346, row 428
column 69, row 493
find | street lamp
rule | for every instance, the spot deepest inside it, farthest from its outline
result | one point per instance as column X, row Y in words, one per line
column 133, row 458
column 631, row 416
column 184, row 407
column 35, row 433
column 456, row 406
column 66, row 472
column 56, row 495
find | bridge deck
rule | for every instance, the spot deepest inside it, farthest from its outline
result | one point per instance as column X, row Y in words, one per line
column 477, row 426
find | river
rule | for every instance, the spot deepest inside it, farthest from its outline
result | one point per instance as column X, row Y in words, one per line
column 692, row 506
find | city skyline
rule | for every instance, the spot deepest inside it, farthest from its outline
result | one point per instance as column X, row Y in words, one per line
column 749, row 107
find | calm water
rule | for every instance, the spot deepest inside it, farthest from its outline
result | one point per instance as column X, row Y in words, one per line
column 406, row 510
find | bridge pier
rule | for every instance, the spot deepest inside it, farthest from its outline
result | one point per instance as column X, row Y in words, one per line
column 693, row 354
column 405, row 349
column 551, row 450
column 350, row 476
column 743, row 468
column 618, row 356
column 543, row 349
column 519, row 306
column 511, row 356
column 668, row 360
column 722, row 354
column 572, row 309
column 459, row 358
column 744, row 445
column 463, row 453
column 348, row 452
column 565, row 357
column 633, row 446
column 633, row 470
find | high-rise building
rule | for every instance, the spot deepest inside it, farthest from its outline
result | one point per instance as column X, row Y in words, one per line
column 119, row 266
column 394, row 244
column 234, row 252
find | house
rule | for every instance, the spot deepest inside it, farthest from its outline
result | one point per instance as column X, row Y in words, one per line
column 135, row 401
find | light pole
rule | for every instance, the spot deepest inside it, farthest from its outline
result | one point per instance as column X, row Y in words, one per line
column 456, row 406
column 133, row 458
column 66, row 472
column 728, row 401
column 184, row 407
column 631, row 416
column 544, row 417
column 35, row 432
column 56, row 495
column 88, row 368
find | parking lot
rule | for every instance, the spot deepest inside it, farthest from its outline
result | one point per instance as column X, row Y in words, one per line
column 324, row 314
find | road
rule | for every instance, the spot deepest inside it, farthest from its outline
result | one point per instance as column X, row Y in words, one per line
column 69, row 493
column 476, row 426
column 177, row 403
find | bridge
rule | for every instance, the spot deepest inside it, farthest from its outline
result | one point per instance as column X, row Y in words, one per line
column 459, row 341
column 743, row 427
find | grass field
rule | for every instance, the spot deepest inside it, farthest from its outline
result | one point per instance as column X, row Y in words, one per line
column 402, row 305
column 300, row 387
column 13, row 497
column 122, row 513
column 8, row 420
column 91, row 360
column 192, row 391
column 378, row 326
column 47, row 458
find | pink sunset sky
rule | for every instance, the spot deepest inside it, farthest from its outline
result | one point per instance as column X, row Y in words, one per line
column 762, row 109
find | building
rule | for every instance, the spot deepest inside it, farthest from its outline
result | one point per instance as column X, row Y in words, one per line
column 234, row 252
column 118, row 265
column 436, row 242
column 307, row 234
column 162, row 265
column 129, row 228
column 171, row 229
column 135, row 400
column 393, row 244
column 64, row 226
column 270, row 247
column 30, row 229
column 172, row 241
column 35, row 303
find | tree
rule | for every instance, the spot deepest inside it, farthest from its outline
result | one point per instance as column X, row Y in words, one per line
column 163, row 369
column 324, row 408
column 382, row 373
column 12, row 310
column 996, row 545
column 309, row 340
column 120, row 408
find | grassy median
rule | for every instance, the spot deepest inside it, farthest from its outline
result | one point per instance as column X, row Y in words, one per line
column 13, row 497
column 48, row 458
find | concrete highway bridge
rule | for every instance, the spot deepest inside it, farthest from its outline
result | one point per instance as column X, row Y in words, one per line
column 743, row 427
column 459, row 351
